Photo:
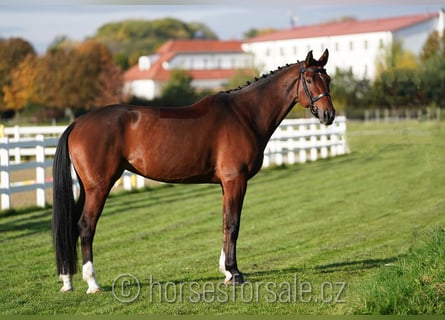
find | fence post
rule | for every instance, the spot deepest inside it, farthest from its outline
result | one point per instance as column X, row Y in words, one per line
column 4, row 175
column 76, row 184
column 266, row 158
column 278, row 150
column 126, row 180
column 291, row 159
column 302, row 156
column 324, row 148
column 313, row 154
column 140, row 182
column 17, row 155
column 40, row 170
column 342, row 146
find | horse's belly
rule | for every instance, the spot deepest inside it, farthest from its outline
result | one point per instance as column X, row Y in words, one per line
column 174, row 164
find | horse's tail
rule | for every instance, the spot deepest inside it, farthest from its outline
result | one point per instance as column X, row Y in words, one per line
column 65, row 214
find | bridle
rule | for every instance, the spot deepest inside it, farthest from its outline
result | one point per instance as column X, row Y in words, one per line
column 306, row 90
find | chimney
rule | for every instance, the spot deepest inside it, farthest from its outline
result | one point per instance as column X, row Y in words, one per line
column 144, row 63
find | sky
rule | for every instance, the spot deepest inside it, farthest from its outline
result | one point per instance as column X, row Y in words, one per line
column 41, row 23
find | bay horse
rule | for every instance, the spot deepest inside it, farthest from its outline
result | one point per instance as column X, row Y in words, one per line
column 219, row 139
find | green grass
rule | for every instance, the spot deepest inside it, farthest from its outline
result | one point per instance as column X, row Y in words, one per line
column 415, row 284
column 312, row 237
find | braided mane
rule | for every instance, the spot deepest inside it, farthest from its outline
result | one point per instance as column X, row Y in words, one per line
column 263, row 76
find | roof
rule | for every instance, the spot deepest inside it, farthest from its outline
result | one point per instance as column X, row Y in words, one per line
column 173, row 47
column 345, row 27
column 181, row 46
column 160, row 74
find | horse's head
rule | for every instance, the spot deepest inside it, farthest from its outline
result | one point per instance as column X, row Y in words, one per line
column 314, row 92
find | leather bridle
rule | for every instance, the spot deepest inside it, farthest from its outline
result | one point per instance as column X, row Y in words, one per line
column 313, row 108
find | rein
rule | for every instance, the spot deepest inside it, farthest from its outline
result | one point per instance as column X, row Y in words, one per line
column 306, row 90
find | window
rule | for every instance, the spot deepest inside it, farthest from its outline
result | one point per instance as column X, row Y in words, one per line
column 365, row 44
column 381, row 45
column 351, row 45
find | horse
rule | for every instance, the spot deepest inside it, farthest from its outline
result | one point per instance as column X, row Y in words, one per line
column 219, row 139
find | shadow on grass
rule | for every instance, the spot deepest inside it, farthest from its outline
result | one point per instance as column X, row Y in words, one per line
column 357, row 265
column 354, row 265
column 23, row 225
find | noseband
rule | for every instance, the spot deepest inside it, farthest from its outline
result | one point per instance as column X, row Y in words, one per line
column 306, row 90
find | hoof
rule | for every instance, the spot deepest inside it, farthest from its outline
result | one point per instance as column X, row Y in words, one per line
column 93, row 290
column 66, row 289
column 235, row 279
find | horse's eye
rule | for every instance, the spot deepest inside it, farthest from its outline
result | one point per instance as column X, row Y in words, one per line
column 309, row 81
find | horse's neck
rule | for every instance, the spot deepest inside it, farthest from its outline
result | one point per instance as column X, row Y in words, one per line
column 266, row 103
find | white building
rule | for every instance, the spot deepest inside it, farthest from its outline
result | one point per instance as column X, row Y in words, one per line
column 211, row 64
column 354, row 45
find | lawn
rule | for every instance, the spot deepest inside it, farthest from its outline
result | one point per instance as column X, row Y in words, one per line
column 313, row 236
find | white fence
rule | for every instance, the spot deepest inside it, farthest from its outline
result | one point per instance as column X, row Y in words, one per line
column 297, row 140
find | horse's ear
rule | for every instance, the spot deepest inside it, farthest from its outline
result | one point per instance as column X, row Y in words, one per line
column 324, row 58
column 309, row 59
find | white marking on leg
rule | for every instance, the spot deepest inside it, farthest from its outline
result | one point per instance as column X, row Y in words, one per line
column 222, row 267
column 90, row 277
column 67, row 282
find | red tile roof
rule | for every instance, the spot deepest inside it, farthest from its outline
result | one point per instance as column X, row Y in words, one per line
column 172, row 47
column 160, row 74
column 345, row 27
column 200, row 46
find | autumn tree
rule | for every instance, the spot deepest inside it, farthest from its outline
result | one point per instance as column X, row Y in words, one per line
column 12, row 52
column 433, row 69
column 434, row 46
column 395, row 57
column 102, row 79
column 22, row 89
column 75, row 79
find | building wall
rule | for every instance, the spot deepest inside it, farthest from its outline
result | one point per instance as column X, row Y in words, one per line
column 413, row 38
column 146, row 89
column 356, row 52
column 204, row 61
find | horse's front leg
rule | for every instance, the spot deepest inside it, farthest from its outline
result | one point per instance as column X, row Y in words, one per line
column 233, row 197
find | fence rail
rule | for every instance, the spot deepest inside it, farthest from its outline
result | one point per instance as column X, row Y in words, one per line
column 297, row 140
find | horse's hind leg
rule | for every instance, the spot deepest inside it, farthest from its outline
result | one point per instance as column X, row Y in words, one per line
column 94, row 203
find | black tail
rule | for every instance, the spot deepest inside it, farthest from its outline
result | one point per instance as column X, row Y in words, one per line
column 65, row 215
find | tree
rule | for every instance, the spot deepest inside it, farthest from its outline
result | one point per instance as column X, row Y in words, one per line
column 178, row 91
column 100, row 76
column 22, row 89
column 133, row 38
column 397, row 88
column 349, row 93
column 77, row 79
column 395, row 57
column 254, row 32
column 240, row 78
column 433, row 81
column 433, row 70
column 434, row 46
column 12, row 52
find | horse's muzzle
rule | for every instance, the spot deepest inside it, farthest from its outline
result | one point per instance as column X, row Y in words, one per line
column 325, row 116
